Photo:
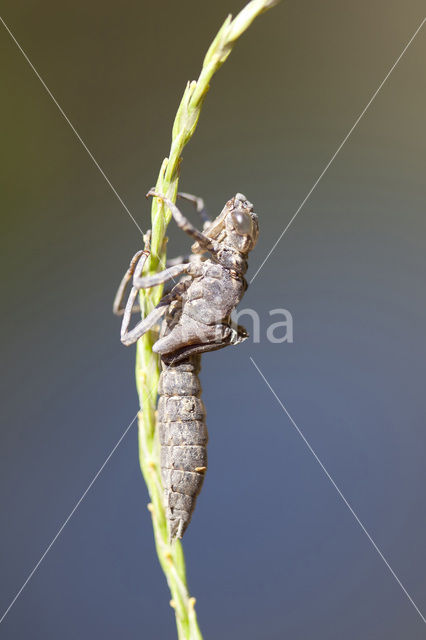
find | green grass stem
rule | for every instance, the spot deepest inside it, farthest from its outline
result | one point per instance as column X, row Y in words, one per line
column 170, row 554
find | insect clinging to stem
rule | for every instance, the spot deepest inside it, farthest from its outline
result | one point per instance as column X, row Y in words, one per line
column 196, row 316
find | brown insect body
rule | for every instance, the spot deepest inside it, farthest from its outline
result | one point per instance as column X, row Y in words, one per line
column 183, row 437
column 197, row 319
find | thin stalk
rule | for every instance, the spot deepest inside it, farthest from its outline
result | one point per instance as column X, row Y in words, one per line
column 170, row 554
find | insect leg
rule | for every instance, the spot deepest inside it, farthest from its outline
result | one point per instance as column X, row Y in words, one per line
column 155, row 279
column 199, row 207
column 226, row 335
column 127, row 336
column 118, row 306
column 206, row 243
column 202, row 212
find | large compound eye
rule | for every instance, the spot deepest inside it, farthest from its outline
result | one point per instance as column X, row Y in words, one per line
column 242, row 223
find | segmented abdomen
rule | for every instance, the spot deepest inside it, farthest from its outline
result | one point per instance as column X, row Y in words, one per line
column 183, row 438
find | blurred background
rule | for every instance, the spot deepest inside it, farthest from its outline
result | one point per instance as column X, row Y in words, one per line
column 272, row 550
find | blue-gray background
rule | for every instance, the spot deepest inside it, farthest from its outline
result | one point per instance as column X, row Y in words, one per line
column 272, row 550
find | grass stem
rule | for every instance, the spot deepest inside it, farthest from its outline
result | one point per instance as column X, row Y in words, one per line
column 170, row 554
